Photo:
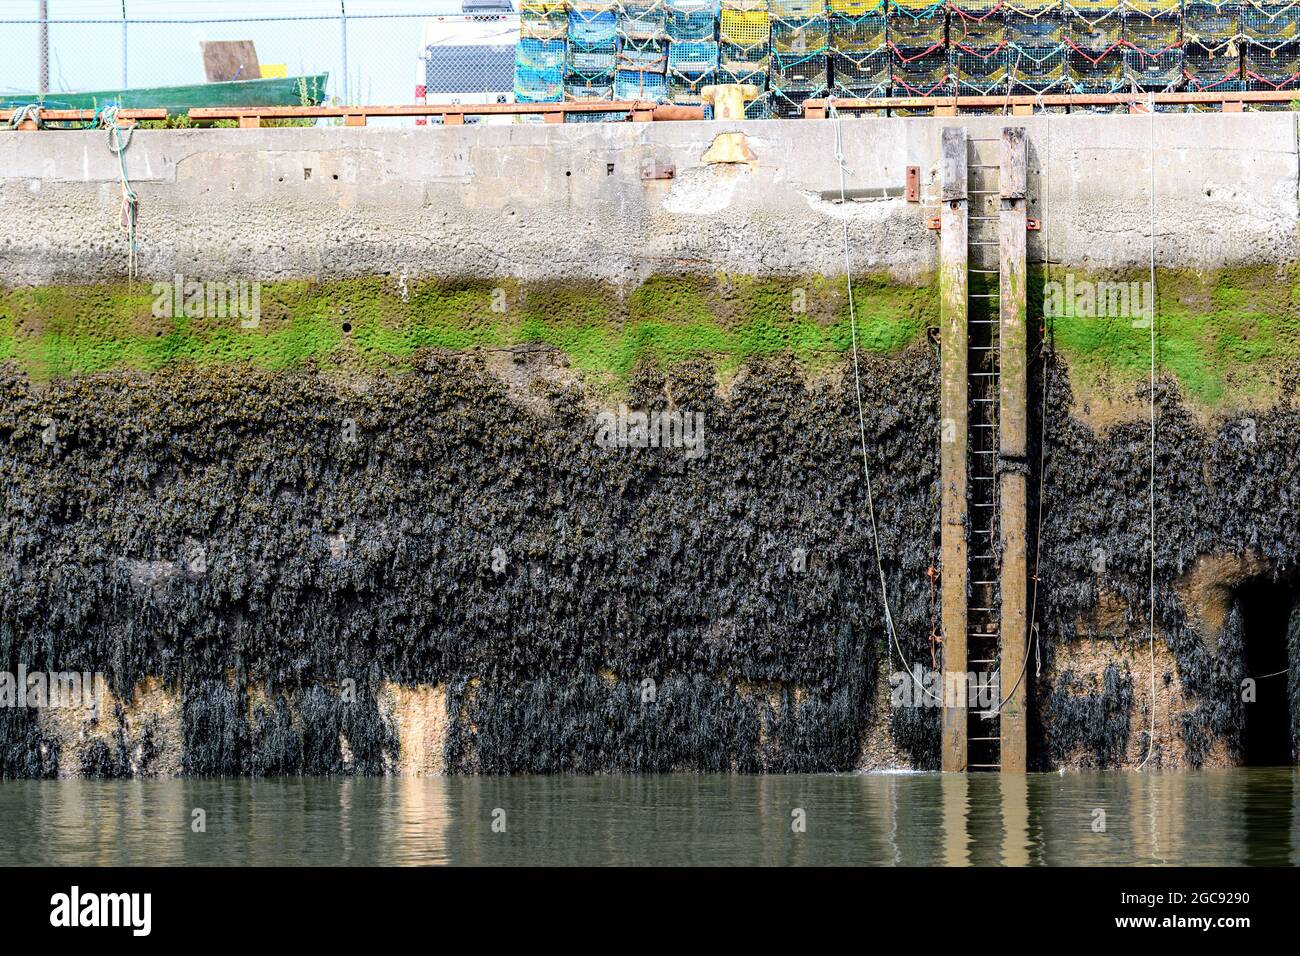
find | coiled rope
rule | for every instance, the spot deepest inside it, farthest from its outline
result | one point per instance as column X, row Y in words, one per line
column 22, row 114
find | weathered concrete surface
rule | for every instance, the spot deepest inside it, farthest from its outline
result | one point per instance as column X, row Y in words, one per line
column 553, row 202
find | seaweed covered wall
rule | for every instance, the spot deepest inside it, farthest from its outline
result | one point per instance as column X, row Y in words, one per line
column 1226, row 483
column 328, row 567
column 399, row 545
column 376, row 529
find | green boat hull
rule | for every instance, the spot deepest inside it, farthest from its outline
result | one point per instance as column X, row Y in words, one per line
column 273, row 91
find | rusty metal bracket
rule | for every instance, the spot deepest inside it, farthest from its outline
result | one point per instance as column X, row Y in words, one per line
column 658, row 171
column 913, row 189
column 1031, row 225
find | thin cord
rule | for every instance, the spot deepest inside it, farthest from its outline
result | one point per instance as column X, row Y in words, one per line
column 1151, row 486
column 862, row 421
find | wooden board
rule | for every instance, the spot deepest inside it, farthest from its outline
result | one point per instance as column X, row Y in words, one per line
column 225, row 60
column 953, row 395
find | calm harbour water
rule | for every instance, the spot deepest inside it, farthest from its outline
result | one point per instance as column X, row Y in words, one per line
column 1248, row 816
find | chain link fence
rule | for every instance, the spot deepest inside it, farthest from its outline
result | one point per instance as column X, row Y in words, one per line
column 375, row 53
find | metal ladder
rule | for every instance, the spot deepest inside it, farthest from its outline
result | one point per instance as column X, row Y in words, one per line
column 982, row 635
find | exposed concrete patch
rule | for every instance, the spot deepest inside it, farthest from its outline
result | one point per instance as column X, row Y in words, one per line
column 1206, row 590
column 419, row 717
column 703, row 192
column 1090, row 658
column 879, row 752
column 152, row 709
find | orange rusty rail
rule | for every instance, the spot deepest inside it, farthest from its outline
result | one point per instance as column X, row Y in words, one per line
column 452, row 115
column 124, row 117
column 1024, row 105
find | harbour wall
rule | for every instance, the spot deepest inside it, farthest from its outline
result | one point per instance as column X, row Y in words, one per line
column 378, row 529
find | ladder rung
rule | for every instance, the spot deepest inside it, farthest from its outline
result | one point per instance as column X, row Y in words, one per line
column 982, row 740
column 985, row 766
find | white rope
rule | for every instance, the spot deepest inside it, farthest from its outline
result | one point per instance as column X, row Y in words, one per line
column 29, row 112
column 1151, row 486
column 130, row 204
column 857, row 391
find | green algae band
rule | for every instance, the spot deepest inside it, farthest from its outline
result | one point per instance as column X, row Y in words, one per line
column 58, row 331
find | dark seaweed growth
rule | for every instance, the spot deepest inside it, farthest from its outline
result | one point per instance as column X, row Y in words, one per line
column 221, row 530
column 115, row 761
column 1230, row 491
column 1293, row 675
column 24, row 750
column 1097, row 723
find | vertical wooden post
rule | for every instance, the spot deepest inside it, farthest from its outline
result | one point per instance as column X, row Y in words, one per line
column 1013, row 451
column 953, row 384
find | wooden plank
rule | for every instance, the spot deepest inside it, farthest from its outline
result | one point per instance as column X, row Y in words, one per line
column 952, row 176
column 1013, row 406
column 250, row 122
column 72, row 116
column 1011, row 183
column 225, row 60
column 424, row 109
column 355, row 119
column 953, row 389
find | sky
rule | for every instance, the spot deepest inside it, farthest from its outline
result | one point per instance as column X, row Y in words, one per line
column 383, row 63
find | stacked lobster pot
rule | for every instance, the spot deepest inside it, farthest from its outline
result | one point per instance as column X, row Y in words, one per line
column 593, row 50
column 1036, row 47
column 800, row 61
column 642, row 61
column 1212, row 48
column 917, row 46
column 540, row 52
column 745, row 50
column 977, row 47
column 1153, row 44
column 859, row 54
column 692, row 50
column 1094, row 39
column 1271, row 46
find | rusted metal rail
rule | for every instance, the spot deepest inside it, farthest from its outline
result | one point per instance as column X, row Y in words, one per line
column 1025, row 105
column 124, row 117
column 451, row 115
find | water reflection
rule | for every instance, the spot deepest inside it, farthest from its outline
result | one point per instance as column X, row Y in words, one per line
column 1245, row 816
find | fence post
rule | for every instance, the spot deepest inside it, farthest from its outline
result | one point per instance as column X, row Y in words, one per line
column 43, row 79
column 343, row 23
column 124, row 59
